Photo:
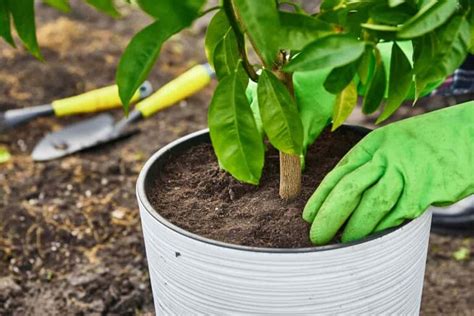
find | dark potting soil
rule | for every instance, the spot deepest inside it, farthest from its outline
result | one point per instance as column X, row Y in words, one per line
column 194, row 194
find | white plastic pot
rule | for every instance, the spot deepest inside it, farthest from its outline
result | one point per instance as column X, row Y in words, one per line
column 191, row 275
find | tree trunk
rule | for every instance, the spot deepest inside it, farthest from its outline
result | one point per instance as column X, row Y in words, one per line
column 290, row 165
column 290, row 176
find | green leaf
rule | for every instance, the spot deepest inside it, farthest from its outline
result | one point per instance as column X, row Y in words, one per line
column 226, row 55
column 428, row 18
column 216, row 30
column 227, row 58
column 140, row 56
column 471, row 49
column 344, row 104
column 394, row 3
column 332, row 5
column 340, row 77
column 261, row 23
column 471, row 22
column 61, row 5
column 23, row 12
column 234, row 134
column 327, row 52
column 352, row 18
column 279, row 112
column 4, row 155
column 315, row 103
column 401, row 78
column 298, row 30
column 366, row 65
column 462, row 254
column 251, row 93
column 424, row 51
column 376, row 89
column 387, row 15
column 144, row 48
column 182, row 12
column 450, row 48
column 105, row 6
column 5, row 31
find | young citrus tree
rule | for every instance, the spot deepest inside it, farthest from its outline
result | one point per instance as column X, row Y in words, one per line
column 342, row 40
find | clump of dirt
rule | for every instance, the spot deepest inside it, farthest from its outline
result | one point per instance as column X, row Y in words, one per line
column 193, row 193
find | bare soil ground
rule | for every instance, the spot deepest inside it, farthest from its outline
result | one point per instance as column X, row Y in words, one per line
column 70, row 237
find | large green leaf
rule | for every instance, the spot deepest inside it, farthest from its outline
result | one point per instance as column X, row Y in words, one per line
column 261, row 23
column 279, row 113
column 428, row 18
column 234, row 134
column 377, row 85
column 315, row 103
column 344, row 104
column 106, row 6
column 328, row 52
column 23, row 13
column 401, row 78
column 5, row 30
column 451, row 47
column 144, row 48
column 340, row 77
column 298, row 30
column 216, row 30
column 61, row 5
column 140, row 56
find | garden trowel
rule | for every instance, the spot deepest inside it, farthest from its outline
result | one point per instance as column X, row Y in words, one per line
column 90, row 102
column 103, row 129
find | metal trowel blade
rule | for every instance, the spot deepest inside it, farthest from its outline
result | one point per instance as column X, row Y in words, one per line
column 77, row 137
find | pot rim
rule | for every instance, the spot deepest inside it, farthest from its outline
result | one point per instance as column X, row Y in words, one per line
column 143, row 199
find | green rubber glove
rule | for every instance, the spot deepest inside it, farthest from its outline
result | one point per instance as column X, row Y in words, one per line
column 394, row 174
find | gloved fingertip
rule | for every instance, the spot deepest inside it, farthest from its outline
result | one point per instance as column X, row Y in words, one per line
column 309, row 211
column 388, row 223
column 318, row 237
column 351, row 236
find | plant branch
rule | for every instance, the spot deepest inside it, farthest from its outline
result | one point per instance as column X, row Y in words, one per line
column 234, row 23
column 203, row 13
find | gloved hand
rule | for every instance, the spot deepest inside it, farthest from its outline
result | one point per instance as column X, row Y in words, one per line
column 395, row 173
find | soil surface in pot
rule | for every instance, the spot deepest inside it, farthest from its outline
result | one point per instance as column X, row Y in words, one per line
column 194, row 194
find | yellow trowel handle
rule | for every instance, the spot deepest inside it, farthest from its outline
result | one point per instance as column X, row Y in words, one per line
column 97, row 100
column 180, row 88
